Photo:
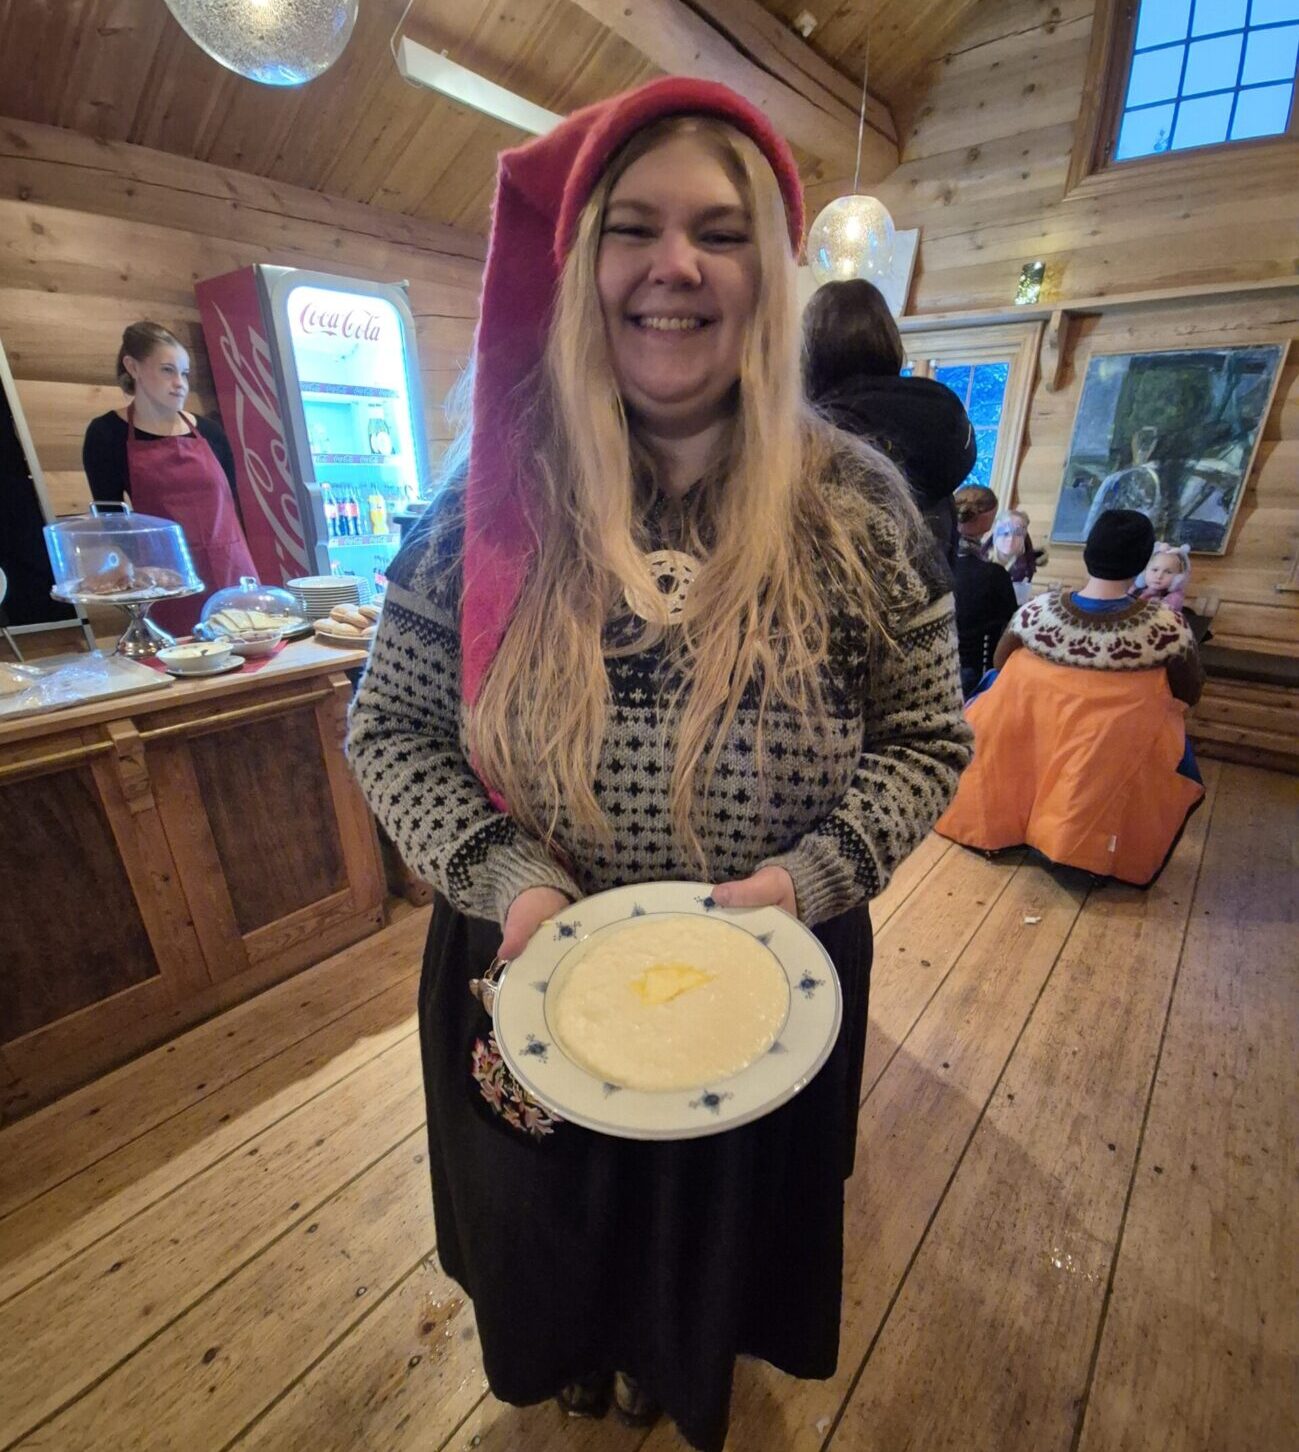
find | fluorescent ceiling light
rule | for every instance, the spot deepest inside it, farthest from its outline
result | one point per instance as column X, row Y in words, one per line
column 426, row 68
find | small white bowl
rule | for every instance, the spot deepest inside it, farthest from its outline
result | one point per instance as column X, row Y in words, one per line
column 251, row 643
column 197, row 658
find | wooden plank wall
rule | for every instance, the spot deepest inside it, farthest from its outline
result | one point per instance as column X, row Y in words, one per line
column 94, row 235
column 986, row 149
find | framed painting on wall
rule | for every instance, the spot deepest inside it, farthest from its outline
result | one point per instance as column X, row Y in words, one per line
column 1172, row 434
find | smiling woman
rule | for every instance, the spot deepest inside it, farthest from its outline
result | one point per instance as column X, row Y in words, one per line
column 677, row 275
column 671, row 625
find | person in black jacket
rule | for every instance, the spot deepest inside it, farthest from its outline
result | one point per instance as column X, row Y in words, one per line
column 852, row 365
column 985, row 596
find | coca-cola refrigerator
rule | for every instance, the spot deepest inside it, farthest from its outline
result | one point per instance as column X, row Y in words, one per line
column 318, row 382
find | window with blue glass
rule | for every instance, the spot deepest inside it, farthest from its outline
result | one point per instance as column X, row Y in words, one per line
column 1204, row 72
column 981, row 387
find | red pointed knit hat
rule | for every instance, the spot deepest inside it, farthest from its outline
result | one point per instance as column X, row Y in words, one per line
column 541, row 189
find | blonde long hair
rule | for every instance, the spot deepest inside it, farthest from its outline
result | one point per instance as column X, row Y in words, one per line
column 777, row 555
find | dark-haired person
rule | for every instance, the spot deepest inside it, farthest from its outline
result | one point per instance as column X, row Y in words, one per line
column 985, row 596
column 170, row 463
column 852, row 372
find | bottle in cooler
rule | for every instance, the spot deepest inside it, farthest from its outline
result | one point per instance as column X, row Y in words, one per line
column 378, row 514
column 353, row 514
column 331, row 510
column 380, row 436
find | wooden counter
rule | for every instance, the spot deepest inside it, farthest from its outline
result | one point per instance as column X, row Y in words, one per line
column 170, row 853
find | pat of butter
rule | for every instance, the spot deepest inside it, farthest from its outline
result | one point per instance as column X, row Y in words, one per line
column 667, row 981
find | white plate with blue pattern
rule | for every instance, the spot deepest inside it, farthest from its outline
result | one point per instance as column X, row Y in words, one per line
column 532, row 1052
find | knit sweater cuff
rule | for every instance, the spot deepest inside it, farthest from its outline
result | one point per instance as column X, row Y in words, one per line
column 824, row 883
column 514, row 867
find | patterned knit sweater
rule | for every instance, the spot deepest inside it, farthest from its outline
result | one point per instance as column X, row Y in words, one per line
column 843, row 800
column 1142, row 635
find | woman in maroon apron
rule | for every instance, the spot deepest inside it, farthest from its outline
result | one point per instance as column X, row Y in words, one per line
column 171, row 464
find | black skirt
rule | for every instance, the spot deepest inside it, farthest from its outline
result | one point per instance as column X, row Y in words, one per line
column 585, row 1254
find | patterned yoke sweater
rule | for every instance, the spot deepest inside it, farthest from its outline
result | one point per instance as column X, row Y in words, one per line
column 1138, row 635
column 843, row 800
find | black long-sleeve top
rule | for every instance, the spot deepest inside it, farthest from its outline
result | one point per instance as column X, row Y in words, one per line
column 919, row 423
column 985, row 603
column 923, row 427
column 103, row 454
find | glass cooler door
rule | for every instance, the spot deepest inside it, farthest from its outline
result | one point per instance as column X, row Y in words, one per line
column 357, row 423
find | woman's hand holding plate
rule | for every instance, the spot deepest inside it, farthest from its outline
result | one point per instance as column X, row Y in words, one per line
column 767, row 887
column 526, row 914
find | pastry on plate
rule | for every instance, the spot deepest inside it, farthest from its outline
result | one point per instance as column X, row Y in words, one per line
column 123, row 578
column 156, row 577
column 349, row 615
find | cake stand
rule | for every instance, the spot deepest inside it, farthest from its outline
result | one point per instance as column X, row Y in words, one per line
column 141, row 638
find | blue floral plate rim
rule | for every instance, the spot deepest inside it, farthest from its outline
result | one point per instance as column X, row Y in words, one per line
column 539, row 1063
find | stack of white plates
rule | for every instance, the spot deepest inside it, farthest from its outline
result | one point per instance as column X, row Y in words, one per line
column 318, row 594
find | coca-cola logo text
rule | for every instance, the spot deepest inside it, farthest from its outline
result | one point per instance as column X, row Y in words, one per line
column 358, row 323
column 274, row 527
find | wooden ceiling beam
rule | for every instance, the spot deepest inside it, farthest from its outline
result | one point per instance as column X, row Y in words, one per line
column 771, row 43
column 737, row 46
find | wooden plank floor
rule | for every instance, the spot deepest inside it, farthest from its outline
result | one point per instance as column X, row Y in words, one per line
column 1071, row 1228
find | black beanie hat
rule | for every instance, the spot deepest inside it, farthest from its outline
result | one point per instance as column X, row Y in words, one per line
column 1119, row 546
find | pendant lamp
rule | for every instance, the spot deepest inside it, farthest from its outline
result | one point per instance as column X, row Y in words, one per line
column 276, row 42
column 853, row 236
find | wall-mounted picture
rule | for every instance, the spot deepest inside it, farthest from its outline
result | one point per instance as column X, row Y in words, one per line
column 1172, row 434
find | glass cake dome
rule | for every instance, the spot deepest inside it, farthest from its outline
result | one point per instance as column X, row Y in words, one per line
column 119, row 558
column 248, row 609
column 113, row 556
column 251, row 594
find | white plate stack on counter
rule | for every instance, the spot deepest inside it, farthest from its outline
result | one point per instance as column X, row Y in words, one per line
column 319, row 594
column 349, row 624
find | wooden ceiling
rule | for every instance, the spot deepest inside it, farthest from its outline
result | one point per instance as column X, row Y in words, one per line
column 904, row 36
column 123, row 70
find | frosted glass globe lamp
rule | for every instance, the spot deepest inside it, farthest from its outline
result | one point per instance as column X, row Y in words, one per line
column 852, row 237
column 276, row 42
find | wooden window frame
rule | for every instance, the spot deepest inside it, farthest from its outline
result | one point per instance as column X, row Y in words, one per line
column 1018, row 343
column 1092, row 168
